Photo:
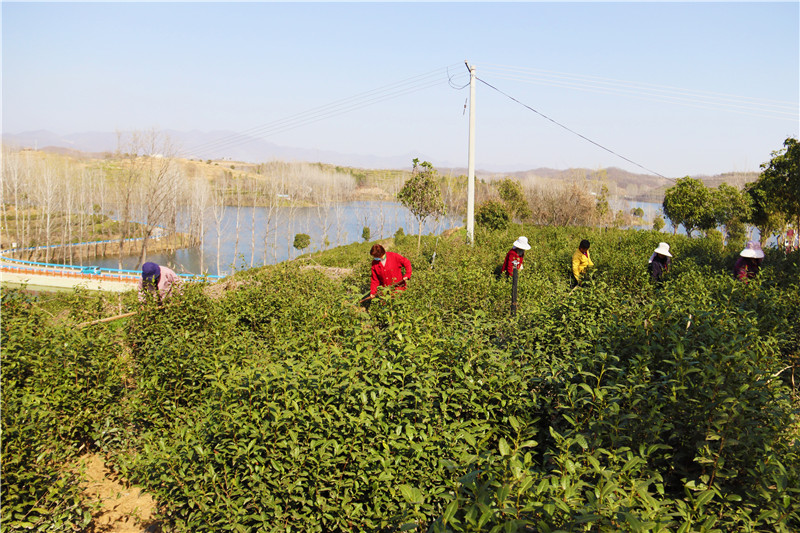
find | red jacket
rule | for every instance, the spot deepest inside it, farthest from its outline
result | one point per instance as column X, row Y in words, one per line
column 390, row 273
column 508, row 264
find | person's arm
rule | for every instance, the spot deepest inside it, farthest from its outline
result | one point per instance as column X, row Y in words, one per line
column 374, row 282
column 576, row 265
column 589, row 259
column 406, row 264
column 172, row 282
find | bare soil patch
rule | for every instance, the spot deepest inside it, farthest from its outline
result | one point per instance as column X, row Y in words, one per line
column 334, row 273
column 121, row 508
column 216, row 290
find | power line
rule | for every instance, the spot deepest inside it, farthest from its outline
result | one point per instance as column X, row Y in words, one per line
column 572, row 131
column 337, row 107
column 702, row 99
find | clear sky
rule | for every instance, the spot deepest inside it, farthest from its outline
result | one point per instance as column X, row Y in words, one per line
column 678, row 88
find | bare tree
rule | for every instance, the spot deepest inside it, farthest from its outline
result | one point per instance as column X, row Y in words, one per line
column 218, row 209
column 147, row 184
column 47, row 199
column 198, row 207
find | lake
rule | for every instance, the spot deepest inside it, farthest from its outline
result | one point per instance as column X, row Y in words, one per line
column 265, row 238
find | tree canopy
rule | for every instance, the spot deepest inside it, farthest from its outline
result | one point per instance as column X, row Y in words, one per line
column 778, row 187
column 511, row 194
column 688, row 202
column 731, row 207
column 422, row 195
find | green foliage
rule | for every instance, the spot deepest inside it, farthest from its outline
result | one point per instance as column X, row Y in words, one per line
column 399, row 236
column 60, row 385
column 658, row 223
column 492, row 215
column 780, row 178
column 637, row 212
column 422, row 195
column 284, row 406
column 301, row 241
column 731, row 208
column 764, row 215
column 512, row 195
column 365, row 233
column 689, row 202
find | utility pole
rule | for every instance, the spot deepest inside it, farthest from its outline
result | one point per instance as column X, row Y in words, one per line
column 471, row 157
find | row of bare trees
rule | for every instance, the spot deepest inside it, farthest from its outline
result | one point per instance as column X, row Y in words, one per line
column 143, row 191
column 547, row 203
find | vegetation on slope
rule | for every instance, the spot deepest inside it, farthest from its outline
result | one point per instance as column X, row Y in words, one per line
column 282, row 405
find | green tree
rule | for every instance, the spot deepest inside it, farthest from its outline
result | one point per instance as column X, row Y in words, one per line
column 301, row 241
column 780, row 178
column 764, row 214
column 658, row 223
column 512, row 195
column 399, row 236
column 689, row 202
column 365, row 233
column 731, row 207
column 492, row 215
column 637, row 212
column 422, row 195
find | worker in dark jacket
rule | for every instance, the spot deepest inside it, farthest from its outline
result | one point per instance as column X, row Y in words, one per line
column 659, row 262
column 749, row 261
column 389, row 269
column 516, row 256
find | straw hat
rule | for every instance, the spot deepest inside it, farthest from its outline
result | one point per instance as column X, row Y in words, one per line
column 752, row 249
column 522, row 243
column 663, row 249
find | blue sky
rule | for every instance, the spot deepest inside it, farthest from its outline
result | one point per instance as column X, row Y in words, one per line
column 678, row 88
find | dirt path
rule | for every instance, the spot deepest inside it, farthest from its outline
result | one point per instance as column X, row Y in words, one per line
column 122, row 509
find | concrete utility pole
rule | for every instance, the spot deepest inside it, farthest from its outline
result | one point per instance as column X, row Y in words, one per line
column 471, row 164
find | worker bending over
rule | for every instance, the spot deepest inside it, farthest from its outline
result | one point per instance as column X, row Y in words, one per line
column 158, row 281
column 389, row 269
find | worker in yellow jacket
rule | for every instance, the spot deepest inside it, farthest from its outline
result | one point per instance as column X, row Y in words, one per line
column 580, row 262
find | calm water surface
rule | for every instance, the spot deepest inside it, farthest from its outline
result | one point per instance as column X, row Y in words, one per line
column 265, row 238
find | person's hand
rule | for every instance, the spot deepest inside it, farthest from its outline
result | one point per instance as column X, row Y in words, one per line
column 405, row 278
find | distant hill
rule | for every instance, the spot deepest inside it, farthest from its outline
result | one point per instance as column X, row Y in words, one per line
column 228, row 145
column 218, row 145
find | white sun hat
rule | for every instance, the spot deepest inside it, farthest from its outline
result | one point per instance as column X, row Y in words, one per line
column 663, row 249
column 522, row 243
column 752, row 249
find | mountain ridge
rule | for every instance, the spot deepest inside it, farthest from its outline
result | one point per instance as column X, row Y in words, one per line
column 232, row 146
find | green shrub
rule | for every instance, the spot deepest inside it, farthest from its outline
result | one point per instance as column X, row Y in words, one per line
column 301, row 241
column 492, row 215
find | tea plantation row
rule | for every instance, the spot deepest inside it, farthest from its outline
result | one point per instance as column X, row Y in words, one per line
column 282, row 405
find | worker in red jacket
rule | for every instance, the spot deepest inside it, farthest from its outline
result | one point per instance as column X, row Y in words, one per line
column 388, row 269
column 516, row 256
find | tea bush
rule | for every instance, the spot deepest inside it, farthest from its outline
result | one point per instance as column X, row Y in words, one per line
column 60, row 386
column 284, row 405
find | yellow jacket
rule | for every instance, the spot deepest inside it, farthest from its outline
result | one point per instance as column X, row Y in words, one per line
column 580, row 262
